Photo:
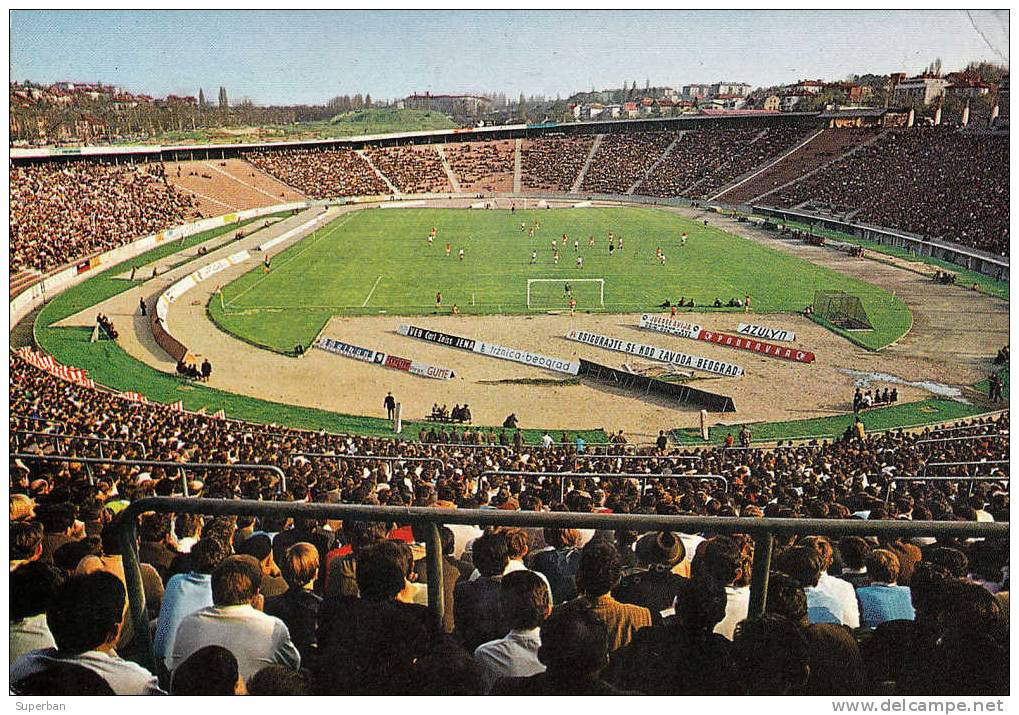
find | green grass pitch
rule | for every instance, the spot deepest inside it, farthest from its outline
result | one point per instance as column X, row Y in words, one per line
column 378, row 261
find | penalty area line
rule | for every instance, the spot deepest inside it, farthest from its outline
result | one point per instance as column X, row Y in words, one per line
column 372, row 291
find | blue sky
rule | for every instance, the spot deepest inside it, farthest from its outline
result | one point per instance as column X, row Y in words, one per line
column 309, row 56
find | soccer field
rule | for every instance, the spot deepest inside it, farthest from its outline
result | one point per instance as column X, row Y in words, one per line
column 379, row 261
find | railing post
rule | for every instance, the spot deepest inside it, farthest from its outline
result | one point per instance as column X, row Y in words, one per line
column 433, row 556
column 763, row 543
column 136, row 610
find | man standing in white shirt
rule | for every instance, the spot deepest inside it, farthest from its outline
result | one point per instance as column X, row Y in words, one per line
column 837, row 589
column 85, row 617
column 236, row 622
column 804, row 563
column 525, row 604
column 721, row 558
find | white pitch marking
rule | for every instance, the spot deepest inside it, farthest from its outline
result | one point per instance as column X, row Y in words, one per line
column 371, row 292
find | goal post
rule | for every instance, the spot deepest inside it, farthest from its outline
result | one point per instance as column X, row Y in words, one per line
column 552, row 293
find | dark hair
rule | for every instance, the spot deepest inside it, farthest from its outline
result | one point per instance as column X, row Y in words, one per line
column 69, row 555
column 110, row 535
column 523, row 600
column 258, row 546
column 211, row 670
column 803, row 563
column 56, row 518
column 32, row 586
column 883, row 566
column 447, row 669
column 278, row 680
column 574, row 640
column 599, row 569
column 516, row 542
column 26, row 537
column 490, row 553
column 154, row 527
column 382, row 570
column 854, row 550
column 236, row 580
column 187, row 524
column 771, row 655
column 86, row 612
column 361, row 534
column 207, row 553
column 60, row 679
column 700, row 606
column 952, row 559
column 719, row 557
column 786, row 597
column 927, row 588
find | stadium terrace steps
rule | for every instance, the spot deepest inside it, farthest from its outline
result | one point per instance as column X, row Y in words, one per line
column 486, row 166
column 453, row 181
column 22, row 280
column 517, row 166
column 221, row 186
column 834, row 145
column 587, row 164
column 750, row 176
column 679, row 135
column 378, row 172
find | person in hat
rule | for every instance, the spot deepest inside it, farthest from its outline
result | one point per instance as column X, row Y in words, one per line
column 653, row 584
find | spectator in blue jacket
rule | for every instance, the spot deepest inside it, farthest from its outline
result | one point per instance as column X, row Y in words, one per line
column 884, row 600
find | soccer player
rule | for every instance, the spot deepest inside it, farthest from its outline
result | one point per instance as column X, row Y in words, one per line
column 438, row 298
column 580, row 261
column 430, row 238
column 461, row 254
column 682, row 239
column 534, row 257
column 576, row 244
column 555, row 256
column 449, row 249
column 266, row 263
column 573, row 305
column 590, row 240
column 620, row 243
column 522, row 227
column 612, row 247
column 567, row 291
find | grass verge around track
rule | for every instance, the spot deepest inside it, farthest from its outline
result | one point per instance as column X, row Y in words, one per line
column 379, row 261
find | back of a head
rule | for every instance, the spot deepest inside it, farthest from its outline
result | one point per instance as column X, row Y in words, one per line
column 516, row 543
column 258, row 546
column 803, row 563
column 86, row 612
column 574, row 642
column 927, row 589
column 207, row 554
column 952, row 559
column 701, row 604
column 278, row 680
column 854, row 550
column 771, row 655
column 447, row 669
column 490, row 553
column 62, row 679
column 972, row 610
column 26, row 538
column 211, row 670
column 362, row 534
column 32, row 587
column 236, row 580
column 154, row 527
column 721, row 558
column 300, row 565
column 559, row 538
column 523, row 600
column 883, row 566
column 599, row 569
column 56, row 517
column 786, row 598
column 382, row 570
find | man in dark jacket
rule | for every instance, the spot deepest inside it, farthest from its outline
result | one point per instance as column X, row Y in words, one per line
column 298, row 606
column 652, row 584
column 476, row 603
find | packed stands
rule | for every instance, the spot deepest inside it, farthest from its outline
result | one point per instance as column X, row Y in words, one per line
column 767, row 146
column 321, row 173
column 482, row 166
column 224, row 185
column 937, row 182
column 553, row 163
column 623, row 159
column 830, row 145
column 412, row 169
column 64, row 212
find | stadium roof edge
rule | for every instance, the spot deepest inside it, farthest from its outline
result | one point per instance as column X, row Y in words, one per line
column 110, row 150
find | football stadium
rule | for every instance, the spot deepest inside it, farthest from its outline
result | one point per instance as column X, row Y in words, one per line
column 674, row 401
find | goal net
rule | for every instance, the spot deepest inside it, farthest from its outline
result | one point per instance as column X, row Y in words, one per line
column 555, row 293
column 841, row 309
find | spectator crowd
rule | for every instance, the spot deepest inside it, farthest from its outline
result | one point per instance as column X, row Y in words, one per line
column 292, row 606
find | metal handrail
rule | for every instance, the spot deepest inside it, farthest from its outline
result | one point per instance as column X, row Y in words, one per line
column 992, row 435
column 180, row 466
column 972, row 481
column 689, row 457
column 367, row 457
column 82, row 438
column 604, row 475
column 47, row 420
column 762, row 530
column 964, row 464
column 959, row 428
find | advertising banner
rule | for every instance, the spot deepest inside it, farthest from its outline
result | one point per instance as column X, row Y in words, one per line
column 668, row 325
column 379, row 358
column 492, row 350
column 650, row 352
column 759, row 331
column 756, row 346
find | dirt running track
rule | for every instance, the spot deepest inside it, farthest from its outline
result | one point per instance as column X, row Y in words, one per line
column 955, row 334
